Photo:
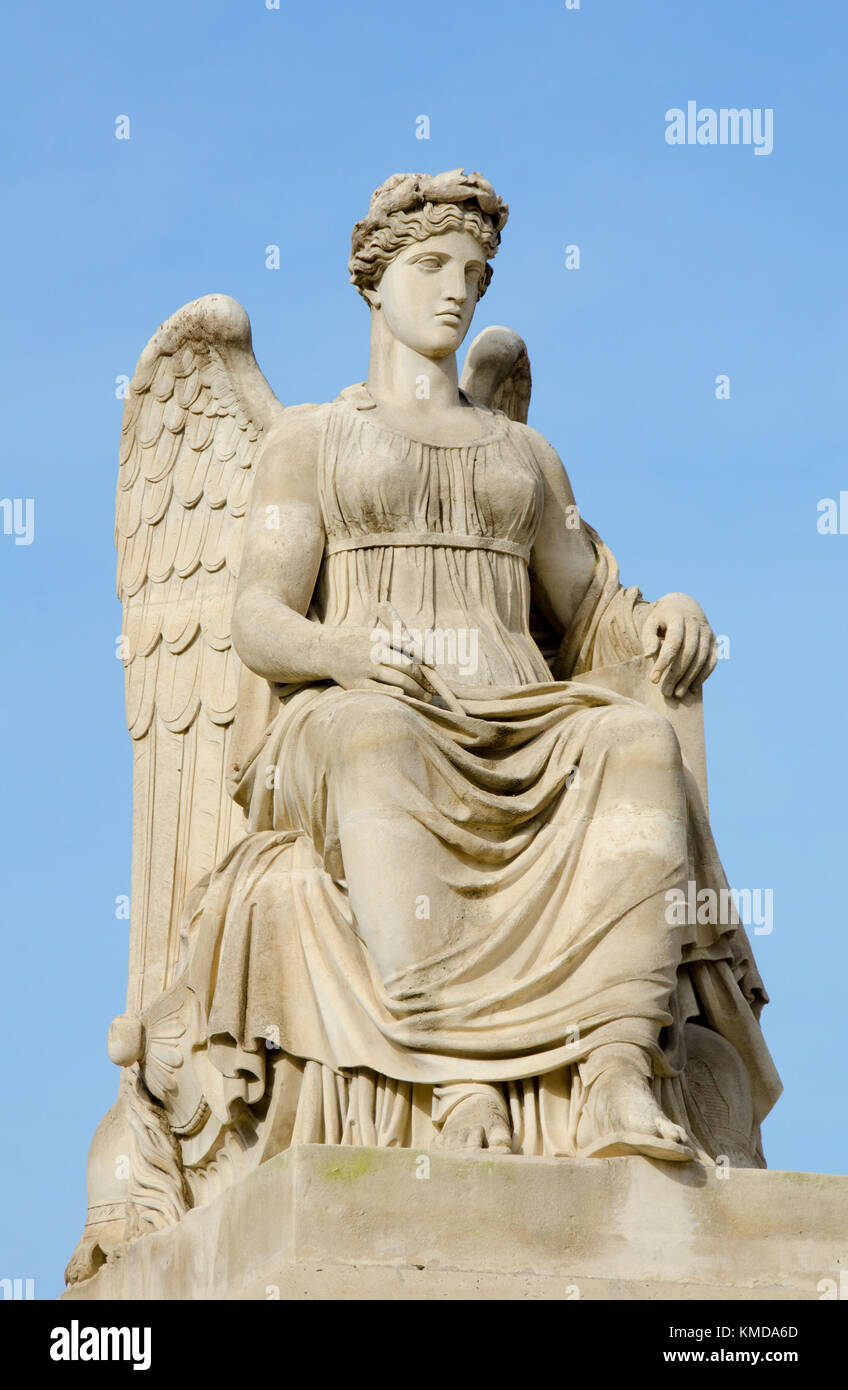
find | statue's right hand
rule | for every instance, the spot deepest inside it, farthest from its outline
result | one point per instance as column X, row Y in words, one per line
column 365, row 659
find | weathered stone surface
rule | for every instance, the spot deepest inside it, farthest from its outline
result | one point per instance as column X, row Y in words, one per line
column 328, row 1222
column 475, row 906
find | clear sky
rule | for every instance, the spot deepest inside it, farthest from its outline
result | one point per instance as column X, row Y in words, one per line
column 251, row 127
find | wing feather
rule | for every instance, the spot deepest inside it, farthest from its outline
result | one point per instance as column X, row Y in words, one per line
column 155, row 501
column 128, row 518
column 218, row 683
column 194, row 417
column 497, row 372
column 134, row 558
column 141, row 680
column 166, row 543
column 239, row 492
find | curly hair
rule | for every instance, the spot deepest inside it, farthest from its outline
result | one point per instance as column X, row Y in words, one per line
column 412, row 207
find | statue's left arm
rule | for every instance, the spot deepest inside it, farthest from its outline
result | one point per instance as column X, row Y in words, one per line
column 565, row 575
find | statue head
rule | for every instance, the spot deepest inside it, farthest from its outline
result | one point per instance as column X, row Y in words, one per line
column 421, row 256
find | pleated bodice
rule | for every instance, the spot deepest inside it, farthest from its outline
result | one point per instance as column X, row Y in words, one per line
column 441, row 532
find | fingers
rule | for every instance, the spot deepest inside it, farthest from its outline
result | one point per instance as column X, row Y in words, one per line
column 686, row 680
column 709, row 665
column 402, row 672
column 395, row 654
column 694, row 661
column 397, row 659
column 399, row 646
column 676, row 683
column 686, row 656
column 409, row 680
column 672, row 638
column 391, row 687
column 651, row 639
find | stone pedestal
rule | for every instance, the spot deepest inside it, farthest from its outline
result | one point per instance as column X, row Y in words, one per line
column 322, row 1222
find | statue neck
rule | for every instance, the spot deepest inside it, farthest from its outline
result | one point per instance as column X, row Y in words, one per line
column 405, row 380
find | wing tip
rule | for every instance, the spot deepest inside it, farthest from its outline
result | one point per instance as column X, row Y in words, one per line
column 212, row 318
column 497, row 371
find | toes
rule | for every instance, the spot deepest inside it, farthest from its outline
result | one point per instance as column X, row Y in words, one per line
column 500, row 1139
column 466, row 1137
column 481, row 1131
column 667, row 1130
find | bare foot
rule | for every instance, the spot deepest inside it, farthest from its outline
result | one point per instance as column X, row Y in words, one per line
column 622, row 1117
column 478, row 1122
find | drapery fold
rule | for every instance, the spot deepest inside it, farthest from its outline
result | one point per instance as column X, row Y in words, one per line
column 507, row 846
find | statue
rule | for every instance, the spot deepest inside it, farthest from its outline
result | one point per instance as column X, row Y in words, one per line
column 408, row 816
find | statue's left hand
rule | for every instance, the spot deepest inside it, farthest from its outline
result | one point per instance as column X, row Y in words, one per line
column 688, row 650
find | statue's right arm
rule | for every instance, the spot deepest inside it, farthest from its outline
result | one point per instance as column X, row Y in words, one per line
column 283, row 547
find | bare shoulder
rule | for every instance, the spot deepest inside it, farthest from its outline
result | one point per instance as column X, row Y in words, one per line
column 545, row 456
column 299, row 427
column 291, row 449
column 544, row 453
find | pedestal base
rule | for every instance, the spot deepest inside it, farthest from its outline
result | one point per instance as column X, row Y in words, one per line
column 324, row 1222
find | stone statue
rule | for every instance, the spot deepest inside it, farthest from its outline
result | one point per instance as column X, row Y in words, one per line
column 414, row 784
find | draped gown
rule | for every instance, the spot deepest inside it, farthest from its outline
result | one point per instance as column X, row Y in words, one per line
column 431, row 895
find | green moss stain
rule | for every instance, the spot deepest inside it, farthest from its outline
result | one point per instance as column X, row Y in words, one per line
column 361, row 1163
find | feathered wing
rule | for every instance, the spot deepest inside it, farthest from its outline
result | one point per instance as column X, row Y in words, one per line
column 497, row 372
column 197, row 409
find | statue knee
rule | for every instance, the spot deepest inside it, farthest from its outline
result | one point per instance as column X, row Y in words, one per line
column 373, row 727
column 637, row 736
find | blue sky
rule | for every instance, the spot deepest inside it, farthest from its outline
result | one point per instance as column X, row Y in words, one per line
column 252, row 126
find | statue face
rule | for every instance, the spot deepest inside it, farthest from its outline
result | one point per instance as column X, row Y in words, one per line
column 428, row 293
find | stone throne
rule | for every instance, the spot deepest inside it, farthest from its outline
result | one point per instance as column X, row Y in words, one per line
column 175, row 1143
